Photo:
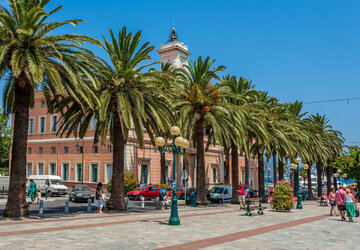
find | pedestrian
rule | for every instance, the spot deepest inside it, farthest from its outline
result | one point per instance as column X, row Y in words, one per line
column 32, row 191
column 325, row 197
column 241, row 192
column 38, row 196
column 350, row 205
column 340, row 202
column 164, row 198
column 332, row 202
column 100, row 197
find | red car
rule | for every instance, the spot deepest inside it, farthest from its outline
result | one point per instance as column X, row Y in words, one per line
column 148, row 193
column 178, row 192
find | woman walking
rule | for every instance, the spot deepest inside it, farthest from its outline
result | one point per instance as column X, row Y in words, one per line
column 32, row 191
column 332, row 202
column 350, row 205
column 100, row 197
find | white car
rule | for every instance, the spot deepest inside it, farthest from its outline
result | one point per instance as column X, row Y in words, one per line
column 51, row 184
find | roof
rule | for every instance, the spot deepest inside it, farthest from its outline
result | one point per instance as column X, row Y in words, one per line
column 44, row 177
column 173, row 35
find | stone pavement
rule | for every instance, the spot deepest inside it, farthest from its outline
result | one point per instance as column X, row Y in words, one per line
column 222, row 227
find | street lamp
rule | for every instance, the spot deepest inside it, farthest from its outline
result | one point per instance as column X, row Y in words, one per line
column 338, row 175
column 82, row 157
column 179, row 145
column 295, row 167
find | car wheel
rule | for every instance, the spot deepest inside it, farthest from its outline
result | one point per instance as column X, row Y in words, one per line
column 141, row 197
column 50, row 193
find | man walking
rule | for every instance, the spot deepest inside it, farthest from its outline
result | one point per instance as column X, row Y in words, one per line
column 340, row 202
column 241, row 192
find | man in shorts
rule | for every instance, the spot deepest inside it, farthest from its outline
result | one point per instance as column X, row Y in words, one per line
column 340, row 202
column 241, row 192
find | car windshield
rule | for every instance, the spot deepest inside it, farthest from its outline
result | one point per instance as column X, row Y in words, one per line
column 217, row 190
column 56, row 182
column 82, row 188
column 141, row 188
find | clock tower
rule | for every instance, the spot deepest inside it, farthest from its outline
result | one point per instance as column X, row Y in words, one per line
column 174, row 52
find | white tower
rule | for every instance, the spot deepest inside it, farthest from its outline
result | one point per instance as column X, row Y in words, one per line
column 174, row 52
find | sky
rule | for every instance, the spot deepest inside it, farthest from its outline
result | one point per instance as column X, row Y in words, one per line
column 296, row 50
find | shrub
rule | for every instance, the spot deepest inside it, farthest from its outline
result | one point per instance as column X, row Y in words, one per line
column 283, row 198
column 130, row 182
column 163, row 186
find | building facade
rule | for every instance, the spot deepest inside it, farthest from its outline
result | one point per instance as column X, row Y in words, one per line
column 78, row 160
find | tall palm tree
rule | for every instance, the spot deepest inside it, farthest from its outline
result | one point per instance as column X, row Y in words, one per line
column 202, row 112
column 35, row 58
column 129, row 99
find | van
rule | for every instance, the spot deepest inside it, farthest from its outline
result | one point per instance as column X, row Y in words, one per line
column 51, row 184
column 4, row 184
column 221, row 193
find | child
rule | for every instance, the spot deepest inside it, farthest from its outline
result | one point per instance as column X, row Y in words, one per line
column 38, row 196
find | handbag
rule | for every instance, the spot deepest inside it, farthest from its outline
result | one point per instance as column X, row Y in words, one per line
column 356, row 213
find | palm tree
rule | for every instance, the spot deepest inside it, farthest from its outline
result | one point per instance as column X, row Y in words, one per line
column 129, row 99
column 35, row 58
column 202, row 112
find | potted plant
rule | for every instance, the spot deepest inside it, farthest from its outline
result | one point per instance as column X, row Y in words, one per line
column 283, row 198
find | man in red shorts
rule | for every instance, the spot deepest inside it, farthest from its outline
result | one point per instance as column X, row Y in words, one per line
column 340, row 202
column 241, row 192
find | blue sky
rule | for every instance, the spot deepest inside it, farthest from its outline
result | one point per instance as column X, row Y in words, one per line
column 296, row 50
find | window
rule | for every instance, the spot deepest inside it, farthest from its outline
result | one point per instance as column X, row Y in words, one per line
column 109, row 171
column 29, row 169
column 214, row 175
column 41, row 150
column 110, row 148
column 40, row 168
column 251, row 178
column 95, row 149
column 66, row 150
column 43, row 104
column 226, row 191
column 54, row 125
column 144, row 173
column 53, row 150
column 93, row 123
column 167, row 172
column 79, row 172
column 81, row 150
column 52, row 169
column 243, row 176
column 42, row 124
column 31, row 125
column 29, row 150
column 65, row 171
column 94, row 172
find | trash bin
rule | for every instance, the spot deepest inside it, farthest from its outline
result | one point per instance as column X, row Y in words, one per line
column 193, row 200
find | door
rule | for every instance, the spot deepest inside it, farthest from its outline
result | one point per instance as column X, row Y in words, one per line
column 144, row 174
column 227, row 194
column 79, row 172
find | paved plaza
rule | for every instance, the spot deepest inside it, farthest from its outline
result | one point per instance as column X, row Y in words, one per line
column 222, row 227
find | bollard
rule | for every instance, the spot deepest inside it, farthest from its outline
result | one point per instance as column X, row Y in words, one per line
column 142, row 202
column 127, row 201
column 3, row 191
column 248, row 211
column 260, row 208
column 89, row 206
column 67, row 206
column 41, row 207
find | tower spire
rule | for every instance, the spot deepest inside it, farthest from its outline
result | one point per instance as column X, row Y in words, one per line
column 173, row 35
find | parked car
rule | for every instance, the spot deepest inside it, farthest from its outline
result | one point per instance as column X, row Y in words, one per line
column 179, row 191
column 81, row 193
column 221, row 193
column 48, row 183
column 148, row 193
column 189, row 191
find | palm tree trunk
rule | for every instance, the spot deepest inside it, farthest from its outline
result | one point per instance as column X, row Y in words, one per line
column 200, row 164
column 274, row 168
column 292, row 178
column 227, row 166
column 335, row 183
column 319, row 179
column 162, row 168
column 328, row 178
column 234, row 172
column 310, row 194
column 296, row 183
column 281, row 169
column 16, row 205
column 247, row 171
column 261, row 176
column 117, row 201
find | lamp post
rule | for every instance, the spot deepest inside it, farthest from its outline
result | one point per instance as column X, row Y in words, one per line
column 179, row 145
column 82, row 157
column 295, row 167
column 338, row 176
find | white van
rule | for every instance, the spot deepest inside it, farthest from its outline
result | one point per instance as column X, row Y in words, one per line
column 221, row 193
column 48, row 183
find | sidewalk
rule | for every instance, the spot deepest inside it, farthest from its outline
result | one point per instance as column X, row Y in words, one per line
column 215, row 228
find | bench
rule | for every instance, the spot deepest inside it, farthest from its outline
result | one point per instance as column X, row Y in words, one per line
column 160, row 205
column 250, row 207
column 323, row 203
